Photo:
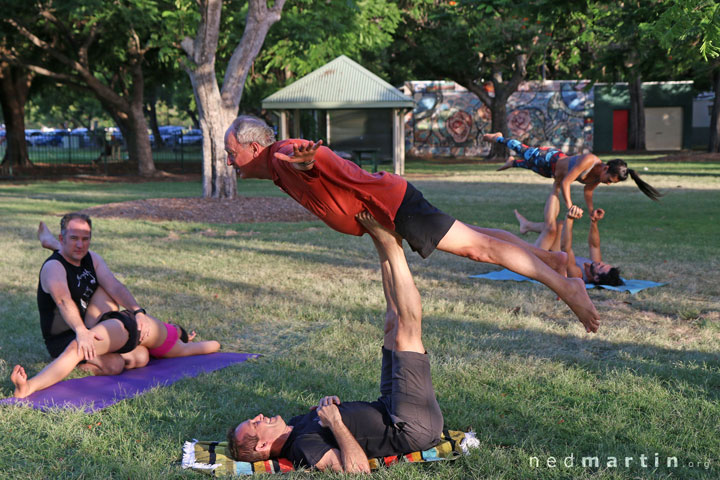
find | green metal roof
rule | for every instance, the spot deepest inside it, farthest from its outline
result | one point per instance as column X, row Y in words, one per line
column 341, row 83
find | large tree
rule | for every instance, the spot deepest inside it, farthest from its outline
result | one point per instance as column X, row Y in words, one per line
column 217, row 106
column 15, row 83
column 621, row 50
column 96, row 46
column 14, row 89
column 690, row 29
column 488, row 47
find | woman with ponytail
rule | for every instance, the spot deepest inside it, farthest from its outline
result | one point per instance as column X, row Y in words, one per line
column 587, row 169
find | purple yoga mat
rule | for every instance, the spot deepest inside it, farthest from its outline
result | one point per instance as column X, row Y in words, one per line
column 95, row 393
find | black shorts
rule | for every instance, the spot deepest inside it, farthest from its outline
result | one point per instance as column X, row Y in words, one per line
column 58, row 343
column 421, row 224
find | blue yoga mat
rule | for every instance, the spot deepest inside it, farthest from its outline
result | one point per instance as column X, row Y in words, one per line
column 95, row 393
column 632, row 286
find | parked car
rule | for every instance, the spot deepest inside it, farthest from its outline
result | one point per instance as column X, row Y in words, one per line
column 170, row 134
column 191, row 137
column 42, row 138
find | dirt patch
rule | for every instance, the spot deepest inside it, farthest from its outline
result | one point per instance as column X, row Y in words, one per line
column 207, row 210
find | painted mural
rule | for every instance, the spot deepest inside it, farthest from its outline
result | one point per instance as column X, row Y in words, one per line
column 448, row 120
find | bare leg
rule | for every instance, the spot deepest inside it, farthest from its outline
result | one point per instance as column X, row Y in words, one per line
column 47, row 239
column 113, row 336
column 555, row 260
column 403, row 291
column 550, row 230
column 110, row 363
column 391, row 310
column 466, row 242
column 181, row 349
column 528, row 226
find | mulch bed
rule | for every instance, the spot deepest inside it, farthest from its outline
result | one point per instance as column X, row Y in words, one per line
column 207, row 210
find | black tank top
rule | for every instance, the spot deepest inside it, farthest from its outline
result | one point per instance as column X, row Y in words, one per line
column 82, row 283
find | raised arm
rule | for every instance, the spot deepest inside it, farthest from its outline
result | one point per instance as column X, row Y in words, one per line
column 588, row 193
column 566, row 245
column 53, row 279
column 594, row 235
column 585, row 162
column 120, row 294
column 350, row 457
column 302, row 156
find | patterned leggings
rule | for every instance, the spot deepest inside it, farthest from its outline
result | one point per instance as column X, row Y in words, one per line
column 540, row 160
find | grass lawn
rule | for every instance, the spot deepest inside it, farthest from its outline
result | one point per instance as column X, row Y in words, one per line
column 509, row 361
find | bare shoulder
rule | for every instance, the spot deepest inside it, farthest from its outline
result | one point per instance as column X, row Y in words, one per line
column 52, row 268
column 53, row 277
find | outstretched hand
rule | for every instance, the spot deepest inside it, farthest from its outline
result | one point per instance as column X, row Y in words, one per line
column 302, row 153
column 597, row 214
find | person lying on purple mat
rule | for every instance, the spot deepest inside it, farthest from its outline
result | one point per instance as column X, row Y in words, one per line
column 341, row 436
column 78, row 299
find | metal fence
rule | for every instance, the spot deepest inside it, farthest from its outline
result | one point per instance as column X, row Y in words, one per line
column 99, row 148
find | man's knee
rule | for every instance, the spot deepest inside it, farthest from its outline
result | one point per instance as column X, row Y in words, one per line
column 108, row 364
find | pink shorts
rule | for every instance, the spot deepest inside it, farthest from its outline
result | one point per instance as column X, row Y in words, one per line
column 170, row 341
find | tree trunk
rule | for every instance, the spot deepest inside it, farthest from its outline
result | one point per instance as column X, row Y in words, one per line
column 138, row 140
column 219, row 180
column 133, row 126
column 714, row 140
column 152, row 115
column 14, row 87
column 636, row 133
column 498, row 122
column 218, row 109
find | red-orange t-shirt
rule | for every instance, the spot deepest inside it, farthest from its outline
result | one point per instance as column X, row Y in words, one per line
column 336, row 189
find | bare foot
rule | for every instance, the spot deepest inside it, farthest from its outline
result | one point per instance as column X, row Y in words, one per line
column 19, row 378
column 524, row 228
column 491, row 137
column 47, row 239
column 381, row 234
column 576, row 297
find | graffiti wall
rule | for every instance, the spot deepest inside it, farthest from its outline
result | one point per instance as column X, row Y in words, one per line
column 448, row 120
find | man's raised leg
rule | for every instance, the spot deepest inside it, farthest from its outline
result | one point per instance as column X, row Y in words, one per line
column 466, row 242
column 406, row 383
column 399, row 287
column 555, row 260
